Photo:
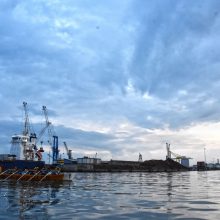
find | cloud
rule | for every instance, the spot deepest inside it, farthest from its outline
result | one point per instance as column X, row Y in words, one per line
column 99, row 66
column 169, row 36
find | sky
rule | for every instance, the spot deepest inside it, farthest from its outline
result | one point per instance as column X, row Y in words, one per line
column 118, row 78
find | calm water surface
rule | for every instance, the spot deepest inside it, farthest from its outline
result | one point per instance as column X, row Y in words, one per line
column 185, row 195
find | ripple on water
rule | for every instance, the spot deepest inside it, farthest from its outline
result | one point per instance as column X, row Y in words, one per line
column 185, row 195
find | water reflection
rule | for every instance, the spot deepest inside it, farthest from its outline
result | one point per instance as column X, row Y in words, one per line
column 27, row 200
column 185, row 195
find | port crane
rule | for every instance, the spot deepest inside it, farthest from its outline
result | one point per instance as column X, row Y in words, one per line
column 174, row 156
column 52, row 135
column 68, row 151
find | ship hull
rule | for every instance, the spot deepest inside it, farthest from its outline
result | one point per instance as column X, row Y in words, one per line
column 20, row 164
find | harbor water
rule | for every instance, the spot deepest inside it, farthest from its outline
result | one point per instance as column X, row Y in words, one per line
column 177, row 195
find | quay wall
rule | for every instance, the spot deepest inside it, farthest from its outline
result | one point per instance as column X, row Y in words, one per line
column 126, row 166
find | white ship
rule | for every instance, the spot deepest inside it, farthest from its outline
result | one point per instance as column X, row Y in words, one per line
column 24, row 146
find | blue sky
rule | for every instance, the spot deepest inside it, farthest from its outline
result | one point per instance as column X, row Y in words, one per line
column 117, row 77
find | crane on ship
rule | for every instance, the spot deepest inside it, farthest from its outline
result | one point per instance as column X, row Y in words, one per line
column 30, row 148
column 52, row 136
column 27, row 129
column 29, row 145
column 35, row 139
column 42, row 131
column 27, row 125
column 68, row 151
column 24, row 145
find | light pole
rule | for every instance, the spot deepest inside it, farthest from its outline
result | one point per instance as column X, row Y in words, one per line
column 205, row 157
